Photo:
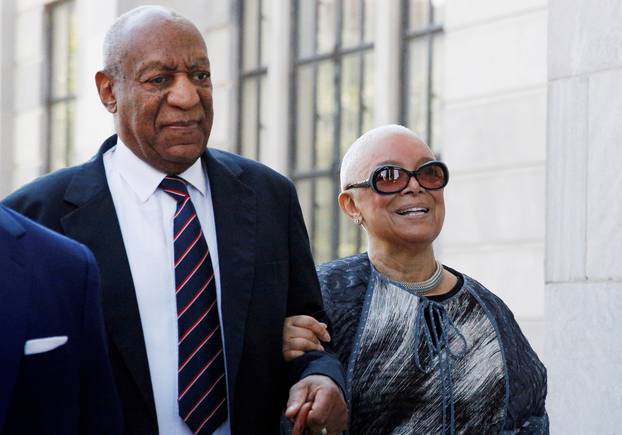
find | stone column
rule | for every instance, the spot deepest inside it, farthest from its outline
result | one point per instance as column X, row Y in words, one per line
column 583, row 295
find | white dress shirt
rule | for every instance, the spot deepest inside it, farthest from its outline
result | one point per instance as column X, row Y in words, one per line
column 145, row 215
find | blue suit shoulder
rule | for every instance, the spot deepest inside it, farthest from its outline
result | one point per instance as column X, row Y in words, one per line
column 42, row 198
column 47, row 242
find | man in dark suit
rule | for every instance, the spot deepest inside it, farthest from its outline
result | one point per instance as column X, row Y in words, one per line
column 202, row 253
column 55, row 376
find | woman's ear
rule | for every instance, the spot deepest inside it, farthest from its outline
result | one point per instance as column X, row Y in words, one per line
column 348, row 206
column 106, row 94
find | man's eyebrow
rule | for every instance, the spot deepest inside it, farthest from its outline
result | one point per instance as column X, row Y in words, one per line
column 159, row 66
column 162, row 66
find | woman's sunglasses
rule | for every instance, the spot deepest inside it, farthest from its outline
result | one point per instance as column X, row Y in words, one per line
column 389, row 179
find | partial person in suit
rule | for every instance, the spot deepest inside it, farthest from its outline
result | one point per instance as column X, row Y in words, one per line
column 55, row 377
column 202, row 253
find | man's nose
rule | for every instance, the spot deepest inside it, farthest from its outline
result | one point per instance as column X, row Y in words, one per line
column 183, row 93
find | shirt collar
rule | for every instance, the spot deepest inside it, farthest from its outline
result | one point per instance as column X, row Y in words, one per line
column 144, row 179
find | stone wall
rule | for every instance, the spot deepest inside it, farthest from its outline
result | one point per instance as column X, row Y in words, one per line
column 494, row 136
column 584, row 217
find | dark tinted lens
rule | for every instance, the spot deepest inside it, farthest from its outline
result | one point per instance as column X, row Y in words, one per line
column 390, row 180
column 431, row 176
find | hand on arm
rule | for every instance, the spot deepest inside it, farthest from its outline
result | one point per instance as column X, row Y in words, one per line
column 323, row 400
column 302, row 334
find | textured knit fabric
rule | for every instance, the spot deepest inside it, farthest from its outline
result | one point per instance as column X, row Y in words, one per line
column 480, row 377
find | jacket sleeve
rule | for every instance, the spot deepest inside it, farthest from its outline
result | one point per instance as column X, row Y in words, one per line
column 304, row 297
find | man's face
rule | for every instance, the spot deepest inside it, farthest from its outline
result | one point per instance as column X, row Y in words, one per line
column 164, row 95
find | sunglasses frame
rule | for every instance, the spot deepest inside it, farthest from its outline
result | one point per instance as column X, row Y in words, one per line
column 371, row 183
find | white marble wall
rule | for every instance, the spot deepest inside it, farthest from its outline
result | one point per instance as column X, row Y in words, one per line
column 494, row 136
column 584, row 243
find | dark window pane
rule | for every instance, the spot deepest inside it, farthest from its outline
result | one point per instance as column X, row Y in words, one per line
column 368, row 91
column 61, row 134
column 63, row 48
column 305, row 118
column 352, row 17
column 62, row 51
column 306, row 28
column 249, row 135
column 327, row 15
column 417, row 103
column 437, row 90
column 351, row 97
column 325, row 115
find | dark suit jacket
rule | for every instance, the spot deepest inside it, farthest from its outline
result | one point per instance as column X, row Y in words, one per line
column 266, row 273
column 49, row 288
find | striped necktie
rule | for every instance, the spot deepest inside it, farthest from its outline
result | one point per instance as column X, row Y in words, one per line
column 202, row 392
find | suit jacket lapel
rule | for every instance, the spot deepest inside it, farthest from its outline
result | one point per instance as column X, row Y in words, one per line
column 14, row 295
column 235, row 215
column 94, row 222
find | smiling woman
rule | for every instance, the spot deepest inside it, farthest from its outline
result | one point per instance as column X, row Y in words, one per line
column 427, row 348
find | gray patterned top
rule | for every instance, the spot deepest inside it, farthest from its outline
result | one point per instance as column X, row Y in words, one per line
column 474, row 373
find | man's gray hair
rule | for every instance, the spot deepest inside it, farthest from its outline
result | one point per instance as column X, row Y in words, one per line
column 114, row 42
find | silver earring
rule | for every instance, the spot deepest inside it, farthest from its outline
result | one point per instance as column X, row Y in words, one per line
column 357, row 220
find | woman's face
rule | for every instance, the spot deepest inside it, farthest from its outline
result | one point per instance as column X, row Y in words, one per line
column 414, row 215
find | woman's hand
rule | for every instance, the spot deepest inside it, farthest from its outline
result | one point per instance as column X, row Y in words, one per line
column 302, row 334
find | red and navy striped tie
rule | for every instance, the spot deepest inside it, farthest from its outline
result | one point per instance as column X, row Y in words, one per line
column 202, row 388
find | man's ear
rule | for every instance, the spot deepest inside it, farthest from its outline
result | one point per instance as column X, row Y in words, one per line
column 106, row 93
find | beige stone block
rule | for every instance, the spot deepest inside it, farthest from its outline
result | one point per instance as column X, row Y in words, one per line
column 459, row 13
column 514, row 272
column 585, row 36
column 567, row 165
column 495, row 207
column 496, row 132
column 501, row 56
column 604, row 182
column 582, row 355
